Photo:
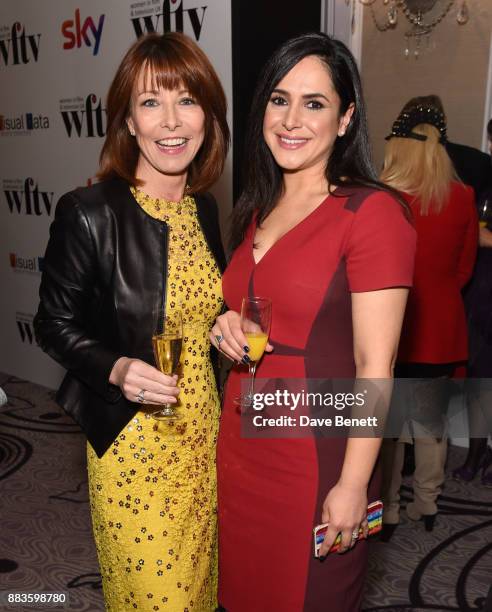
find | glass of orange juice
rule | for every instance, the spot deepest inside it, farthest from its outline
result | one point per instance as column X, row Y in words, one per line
column 256, row 319
column 485, row 212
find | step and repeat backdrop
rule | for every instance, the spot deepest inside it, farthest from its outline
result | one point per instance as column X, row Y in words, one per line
column 57, row 60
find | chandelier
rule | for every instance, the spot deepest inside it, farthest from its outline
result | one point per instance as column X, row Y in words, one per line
column 422, row 15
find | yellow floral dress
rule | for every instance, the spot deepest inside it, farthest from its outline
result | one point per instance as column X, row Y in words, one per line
column 153, row 493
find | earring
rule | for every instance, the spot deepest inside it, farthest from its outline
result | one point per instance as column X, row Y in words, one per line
column 132, row 131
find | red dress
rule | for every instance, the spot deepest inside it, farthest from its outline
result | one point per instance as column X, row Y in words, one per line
column 271, row 490
column 435, row 330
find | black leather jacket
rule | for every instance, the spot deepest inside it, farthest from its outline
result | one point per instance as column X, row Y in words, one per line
column 104, row 276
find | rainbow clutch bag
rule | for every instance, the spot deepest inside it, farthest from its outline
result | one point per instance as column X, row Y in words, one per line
column 374, row 518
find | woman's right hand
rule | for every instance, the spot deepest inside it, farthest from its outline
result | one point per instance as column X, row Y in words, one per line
column 233, row 342
column 134, row 375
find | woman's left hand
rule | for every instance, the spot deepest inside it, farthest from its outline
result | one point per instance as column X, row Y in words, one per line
column 485, row 237
column 228, row 337
column 345, row 509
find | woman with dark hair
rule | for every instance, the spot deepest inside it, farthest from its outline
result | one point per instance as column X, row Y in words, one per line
column 316, row 233
column 141, row 244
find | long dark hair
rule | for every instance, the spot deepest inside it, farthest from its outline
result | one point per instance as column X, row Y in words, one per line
column 350, row 161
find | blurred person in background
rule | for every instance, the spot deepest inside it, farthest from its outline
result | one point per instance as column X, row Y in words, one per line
column 472, row 165
column 434, row 334
column 478, row 300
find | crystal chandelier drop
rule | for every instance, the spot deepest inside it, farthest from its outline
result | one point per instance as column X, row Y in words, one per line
column 422, row 15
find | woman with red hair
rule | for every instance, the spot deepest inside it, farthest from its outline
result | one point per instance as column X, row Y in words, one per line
column 141, row 244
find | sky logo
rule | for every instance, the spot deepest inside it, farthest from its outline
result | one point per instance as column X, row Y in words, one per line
column 75, row 32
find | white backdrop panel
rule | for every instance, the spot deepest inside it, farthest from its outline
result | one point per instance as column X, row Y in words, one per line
column 45, row 153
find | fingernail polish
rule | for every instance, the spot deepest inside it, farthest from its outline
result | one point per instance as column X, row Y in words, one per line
column 246, row 348
column 322, row 557
column 245, row 359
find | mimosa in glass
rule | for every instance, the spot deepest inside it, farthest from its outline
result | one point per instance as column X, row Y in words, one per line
column 256, row 318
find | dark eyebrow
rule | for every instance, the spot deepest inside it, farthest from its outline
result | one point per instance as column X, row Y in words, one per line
column 155, row 92
column 309, row 96
column 147, row 91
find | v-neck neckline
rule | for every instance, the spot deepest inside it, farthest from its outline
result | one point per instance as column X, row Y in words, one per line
column 288, row 232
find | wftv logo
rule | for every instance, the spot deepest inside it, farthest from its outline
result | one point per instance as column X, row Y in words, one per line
column 25, row 197
column 17, row 47
column 26, row 264
column 23, row 124
column 75, row 32
column 25, row 327
column 147, row 19
column 83, row 118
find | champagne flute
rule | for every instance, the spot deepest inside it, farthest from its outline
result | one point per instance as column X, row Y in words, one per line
column 485, row 212
column 256, row 318
column 167, row 343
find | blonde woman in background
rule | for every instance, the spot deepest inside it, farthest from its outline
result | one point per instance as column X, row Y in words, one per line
column 434, row 334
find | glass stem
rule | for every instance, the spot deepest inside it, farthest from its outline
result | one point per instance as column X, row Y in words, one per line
column 252, row 372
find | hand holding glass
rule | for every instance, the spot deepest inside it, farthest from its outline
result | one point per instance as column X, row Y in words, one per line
column 485, row 213
column 256, row 318
column 167, row 343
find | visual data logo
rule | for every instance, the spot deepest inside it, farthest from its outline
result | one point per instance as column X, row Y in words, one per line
column 17, row 47
column 23, row 124
column 83, row 117
column 171, row 16
column 87, row 32
column 24, row 197
column 23, row 264
column 25, row 327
